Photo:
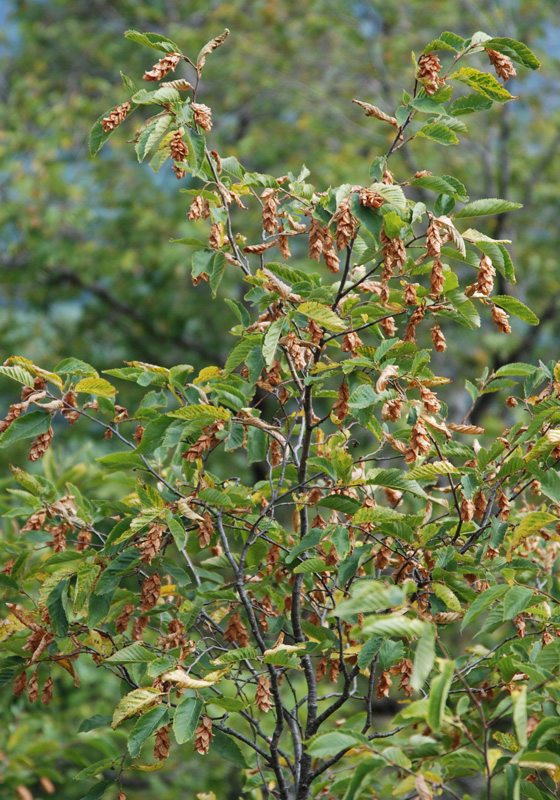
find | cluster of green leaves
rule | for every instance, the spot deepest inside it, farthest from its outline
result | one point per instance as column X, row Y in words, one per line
column 279, row 609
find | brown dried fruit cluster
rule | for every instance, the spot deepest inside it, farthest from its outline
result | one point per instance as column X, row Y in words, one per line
column 370, row 198
column 202, row 115
column 150, row 546
column 433, row 240
column 205, row 530
column 165, row 65
column 502, row 64
column 419, row 443
column 121, row 622
column 205, row 441
column 436, row 278
column 203, row 736
column 394, row 255
column 175, row 636
column 384, row 684
column 68, row 411
column 150, row 591
column 263, row 699
column 35, row 521
column 197, row 205
column 138, row 627
column 84, row 539
column 269, row 210
column 321, row 243
column 416, row 318
column 345, row 224
column 429, row 68
column 404, row 669
column 236, row 631
column 341, row 404
column 117, row 115
column 350, row 342
column 162, row 744
column 178, row 150
column 438, row 338
column 40, row 446
column 500, row 319
column 485, row 279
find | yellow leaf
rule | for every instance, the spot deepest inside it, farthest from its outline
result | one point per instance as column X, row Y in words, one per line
column 207, row 373
column 67, row 664
column 133, row 702
column 97, row 386
column 9, row 626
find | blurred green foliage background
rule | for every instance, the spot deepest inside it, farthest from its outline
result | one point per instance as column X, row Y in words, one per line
column 87, row 269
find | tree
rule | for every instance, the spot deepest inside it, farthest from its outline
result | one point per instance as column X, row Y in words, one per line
column 267, row 619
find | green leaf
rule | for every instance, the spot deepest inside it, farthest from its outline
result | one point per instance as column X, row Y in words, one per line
column 369, row 596
column 218, row 266
column 482, row 602
column 19, row 374
column 517, row 51
column 540, row 760
column 154, row 40
column 240, row 352
column 153, row 436
column 469, row 104
column 332, row 742
column 310, row 565
column 97, row 721
column 439, row 184
column 233, row 656
column 28, row 426
column 339, row 502
column 145, row 727
column 449, row 598
column 151, row 134
column 424, row 658
column 177, row 531
column 438, row 696
column 432, row 470
column 97, row 386
column 363, row 396
column 322, row 314
column 200, row 411
column 482, row 82
column 270, row 342
column 519, row 698
column 550, row 485
column 257, row 445
column 57, row 613
column 482, row 208
column 186, row 718
column 376, row 514
column 394, row 625
column 94, row 769
column 393, row 194
column 516, row 307
column 227, row 747
column 85, row 579
column 516, row 600
column 530, row 524
column 133, row 654
column 118, row 461
column 369, row 651
column 197, row 149
column 438, row 133
column 133, row 702
column 360, row 776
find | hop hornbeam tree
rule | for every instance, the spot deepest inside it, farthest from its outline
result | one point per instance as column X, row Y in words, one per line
column 296, row 560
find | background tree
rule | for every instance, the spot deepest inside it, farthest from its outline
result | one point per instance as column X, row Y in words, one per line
column 263, row 619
